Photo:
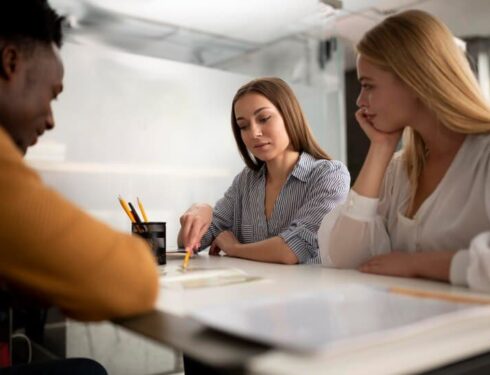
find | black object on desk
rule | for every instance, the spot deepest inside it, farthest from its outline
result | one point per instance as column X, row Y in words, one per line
column 155, row 234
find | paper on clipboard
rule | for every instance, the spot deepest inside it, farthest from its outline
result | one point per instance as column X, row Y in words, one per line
column 177, row 278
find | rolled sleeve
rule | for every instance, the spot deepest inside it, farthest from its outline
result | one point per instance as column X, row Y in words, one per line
column 472, row 267
column 303, row 243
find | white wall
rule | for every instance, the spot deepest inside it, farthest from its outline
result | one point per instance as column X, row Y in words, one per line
column 157, row 129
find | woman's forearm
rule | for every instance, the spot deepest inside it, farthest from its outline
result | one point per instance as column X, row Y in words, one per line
column 368, row 183
column 272, row 250
column 434, row 265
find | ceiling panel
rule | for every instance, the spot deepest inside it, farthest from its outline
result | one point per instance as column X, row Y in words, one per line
column 207, row 32
column 255, row 21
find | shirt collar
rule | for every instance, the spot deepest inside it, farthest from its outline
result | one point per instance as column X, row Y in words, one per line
column 302, row 168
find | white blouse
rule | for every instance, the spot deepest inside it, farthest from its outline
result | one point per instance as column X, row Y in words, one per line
column 455, row 217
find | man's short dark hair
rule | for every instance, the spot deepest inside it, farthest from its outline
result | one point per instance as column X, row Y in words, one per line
column 29, row 22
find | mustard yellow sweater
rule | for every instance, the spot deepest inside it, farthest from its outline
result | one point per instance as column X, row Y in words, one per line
column 56, row 252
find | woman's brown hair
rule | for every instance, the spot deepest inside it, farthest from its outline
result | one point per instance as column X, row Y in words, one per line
column 282, row 97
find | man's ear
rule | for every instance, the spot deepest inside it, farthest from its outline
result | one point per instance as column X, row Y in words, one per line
column 9, row 63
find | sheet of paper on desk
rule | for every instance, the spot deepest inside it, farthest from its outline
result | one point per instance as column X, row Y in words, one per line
column 176, row 277
column 342, row 317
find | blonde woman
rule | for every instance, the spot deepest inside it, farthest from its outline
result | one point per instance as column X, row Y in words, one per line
column 273, row 209
column 424, row 211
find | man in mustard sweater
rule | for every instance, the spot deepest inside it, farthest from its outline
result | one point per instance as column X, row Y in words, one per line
column 50, row 249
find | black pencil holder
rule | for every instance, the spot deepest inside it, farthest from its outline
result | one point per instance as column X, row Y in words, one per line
column 155, row 234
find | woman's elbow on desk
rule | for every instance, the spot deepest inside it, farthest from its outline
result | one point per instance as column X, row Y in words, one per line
column 290, row 258
column 340, row 249
column 337, row 256
column 342, row 262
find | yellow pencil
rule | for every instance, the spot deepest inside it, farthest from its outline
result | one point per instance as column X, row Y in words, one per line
column 187, row 257
column 440, row 295
column 142, row 209
column 126, row 209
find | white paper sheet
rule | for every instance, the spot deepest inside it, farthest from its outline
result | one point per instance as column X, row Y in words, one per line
column 194, row 277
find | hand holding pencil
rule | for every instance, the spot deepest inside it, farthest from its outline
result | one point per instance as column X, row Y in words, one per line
column 194, row 223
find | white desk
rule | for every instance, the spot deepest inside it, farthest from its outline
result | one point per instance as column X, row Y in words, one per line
column 414, row 354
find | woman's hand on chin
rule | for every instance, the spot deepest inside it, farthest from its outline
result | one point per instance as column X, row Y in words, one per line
column 377, row 137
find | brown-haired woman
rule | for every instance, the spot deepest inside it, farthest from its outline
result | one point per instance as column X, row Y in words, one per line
column 273, row 209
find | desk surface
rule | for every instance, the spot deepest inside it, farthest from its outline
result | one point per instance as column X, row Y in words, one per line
column 169, row 324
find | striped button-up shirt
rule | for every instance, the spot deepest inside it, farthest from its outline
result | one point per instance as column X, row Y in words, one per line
column 313, row 188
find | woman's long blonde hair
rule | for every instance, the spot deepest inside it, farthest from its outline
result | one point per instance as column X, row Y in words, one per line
column 421, row 51
column 280, row 94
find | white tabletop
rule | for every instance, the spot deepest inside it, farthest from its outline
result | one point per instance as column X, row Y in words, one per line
column 277, row 279
column 419, row 352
